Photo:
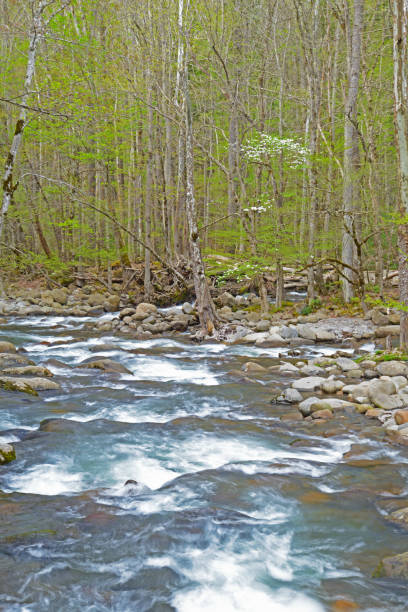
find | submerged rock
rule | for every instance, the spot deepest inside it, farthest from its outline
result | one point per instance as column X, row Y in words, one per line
column 107, row 365
column 7, row 453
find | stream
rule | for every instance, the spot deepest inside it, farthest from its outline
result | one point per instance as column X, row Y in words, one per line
column 231, row 510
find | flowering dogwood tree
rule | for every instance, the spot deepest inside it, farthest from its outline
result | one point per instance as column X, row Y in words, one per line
column 279, row 160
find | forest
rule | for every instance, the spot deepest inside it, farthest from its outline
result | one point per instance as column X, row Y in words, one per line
column 289, row 152
column 204, row 305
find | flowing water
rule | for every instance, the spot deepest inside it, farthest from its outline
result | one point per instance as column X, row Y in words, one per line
column 232, row 508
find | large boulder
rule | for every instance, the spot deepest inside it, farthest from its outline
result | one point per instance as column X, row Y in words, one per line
column 392, row 368
column 288, row 332
column 28, row 371
column 106, row 365
column 387, row 330
column 310, row 383
column 7, row 453
column 144, row 310
column 325, row 335
column 306, row 331
column 28, row 385
column 271, row 341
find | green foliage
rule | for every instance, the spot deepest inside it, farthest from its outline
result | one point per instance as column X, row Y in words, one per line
column 313, row 305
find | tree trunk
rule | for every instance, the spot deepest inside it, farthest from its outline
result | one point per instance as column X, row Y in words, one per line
column 205, row 304
column 350, row 184
column 400, row 55
column 8, row 186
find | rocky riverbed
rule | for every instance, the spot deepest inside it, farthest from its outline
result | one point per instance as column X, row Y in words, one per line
column 145, row 471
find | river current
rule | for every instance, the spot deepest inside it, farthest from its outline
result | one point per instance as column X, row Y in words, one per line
column 231, row 510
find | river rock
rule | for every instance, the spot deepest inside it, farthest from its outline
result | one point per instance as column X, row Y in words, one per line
column 107, row 365
column 271, row 341
column 311, row 370
column 288, row 368
column 126, row 312
column 226, row 299
column 305, row 405
column 324, row 413
column 143, row 310
column 7, row 359
column 310, row 383
column 330, row 403
column 332, row 386
column 370, row 373
column 58, row 426
column 28, row 385
column 379, row 386
column 7, row 347
column 180, row 323
column 400, row 382
column 394, row 567
column 288, row 333
column 291, row 395
column 386, row 402
column 187, row 308
column 346, row 364
column 60, row 296
column 96, row 299
column 306, row 331
column 378, row 317
column 28, row 370
column 7, row 453
column 401, row 417
column 356, row 373
column 112, row 303
column 400, row 517
column 251, row 366
column 325, row 335
column 387, row 330
column 392, row 368
column 373, row 413
column 262, row 326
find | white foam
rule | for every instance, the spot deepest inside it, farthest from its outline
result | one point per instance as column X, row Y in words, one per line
column 46, row 479
column 146, row 470
column 230, row 581
column 166, row 370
